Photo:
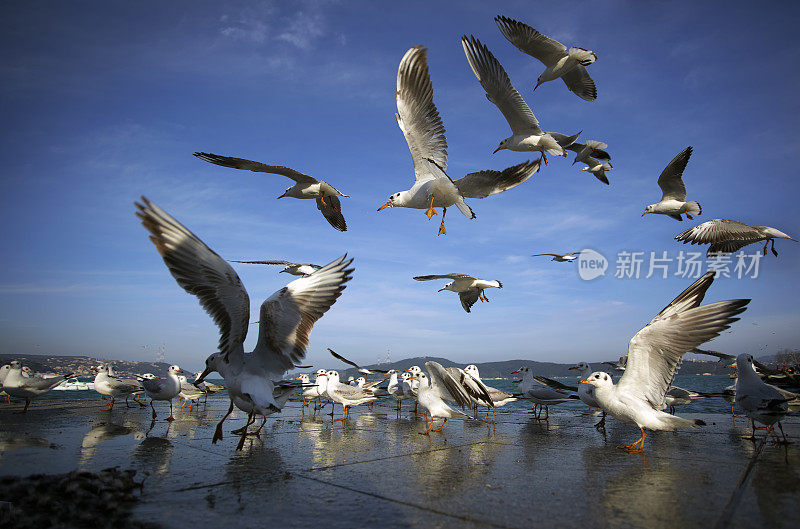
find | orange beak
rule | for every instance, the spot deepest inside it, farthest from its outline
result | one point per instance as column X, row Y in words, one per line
column 584, row 380
column 732, row 365
column 645, row 213
column 517, row 371
column 387, row 205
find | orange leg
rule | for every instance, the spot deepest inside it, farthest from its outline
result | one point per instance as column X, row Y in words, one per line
column 430, row 212
column 428, row 431
column 322, row 200
column 640, row 442
column 442, row 231
column 170, row 418
column 544, row 156
column 110, row 405
column 439, row 429
column 344, row 417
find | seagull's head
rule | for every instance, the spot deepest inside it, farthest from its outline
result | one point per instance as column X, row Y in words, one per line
column 649, row 209
column 448, row 286
column 394, row 200
column 582, row 367
column 503, row 145
column 415, row 370
column 423, row 380
column 332, row 375
column 598, row 379
column 212, row 364
column 174, row 370
column 472, row 370
column 539, row 81
column 521, row 370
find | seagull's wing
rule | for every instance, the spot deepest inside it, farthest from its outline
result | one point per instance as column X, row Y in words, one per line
column 719, row 230
column 469, row 297
column 555, row 384
column 475, row 388
column 553, row 254
column 498, row 87
column 332, row 211
column 445, row 386
column 596, row 149
column 284, row 263
column 574, row 253
column 722, row 356
column 258, row 167
column 361, row 369
column 43, row 383
column 288, row 315
column 201, row 272
column 530, row 41
column 417, row 115
column 655, row 351
column 443, row 276
column 727, row 246
column 670, row 181
column 485, row 183
column 580, row 83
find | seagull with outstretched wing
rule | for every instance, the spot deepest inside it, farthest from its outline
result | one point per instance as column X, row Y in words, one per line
column 470, row 289
column 305, row 186
column 295, row 269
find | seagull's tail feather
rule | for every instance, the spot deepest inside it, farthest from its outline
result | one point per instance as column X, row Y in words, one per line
column 672, row 423
column 464, row 208
column 692, row 208
column 585, row 57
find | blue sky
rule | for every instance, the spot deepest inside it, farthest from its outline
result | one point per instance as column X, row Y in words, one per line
column 106, row 101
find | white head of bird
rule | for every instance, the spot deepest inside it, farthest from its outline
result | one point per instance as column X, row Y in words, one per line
column 581, row 367
column 397, row 199
column 649, row 209
column 174, row 370
column 600, row 380
column 472, row 370
column 414, row 370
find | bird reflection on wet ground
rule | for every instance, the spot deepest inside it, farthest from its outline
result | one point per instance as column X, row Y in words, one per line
column 519, row 472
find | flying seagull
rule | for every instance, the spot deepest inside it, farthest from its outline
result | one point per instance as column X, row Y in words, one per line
column 285, row 321
column 561, row 258
column 598, row 169
column 653, row 357
column 295, row 269
column 527, row 135
column 422, row 127
column 306, row 186
column 362, row 370
column 728, row 236
column 568, row 64
column 673, row 199
column 470, row 289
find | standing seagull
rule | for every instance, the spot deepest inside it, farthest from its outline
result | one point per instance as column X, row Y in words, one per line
column 306, row 186
column 673, row 198
column 422, row 127
column 163, row 389
column 470, row 289
column 653, row 357
column 436, row 388
column 527, row 135
column 561, row 258
column 286, row 317
column 758, row 400
column 16, row 384
column 295, row 269
column 728, row 236
column 568, row 64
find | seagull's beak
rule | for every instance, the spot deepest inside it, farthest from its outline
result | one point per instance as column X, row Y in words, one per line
column 586, row 380
column 573, row 367
column 731, row 365
column 645, row 213
column 440, row 290
column 538, row 82
column 494, row 151
column 387, row 205
column 179, row 371
column 202, row 376
column 517, row 371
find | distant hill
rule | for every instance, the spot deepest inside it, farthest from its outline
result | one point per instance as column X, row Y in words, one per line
column 81, row 366
column 503, row 368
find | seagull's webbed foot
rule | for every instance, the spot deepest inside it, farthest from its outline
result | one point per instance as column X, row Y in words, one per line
column 766, row 243
column 689, row 217
column 544, row 157
column 775, row 253
column 430, row 212
column 632, row 447
column 442, row 231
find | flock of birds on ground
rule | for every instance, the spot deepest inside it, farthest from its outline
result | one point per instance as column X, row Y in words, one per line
column 255, row 381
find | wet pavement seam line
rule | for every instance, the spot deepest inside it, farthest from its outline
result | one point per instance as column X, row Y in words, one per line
column 730, row 508
column 408, row 503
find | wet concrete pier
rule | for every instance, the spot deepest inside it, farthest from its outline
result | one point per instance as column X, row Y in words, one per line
column 378, row 471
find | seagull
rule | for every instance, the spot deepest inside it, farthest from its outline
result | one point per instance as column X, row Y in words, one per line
column 362, row 370
column 592, row 148
column 653, row 357
column 620, row 364
column 286, row 317
column 306, row 186
column 568, row 64
column 677, row 396
column 163, row 389
column 585, row 391
column 436, row 388
column 295, row 269
column 3, row 373
column 540, row 395
column 728, row 236
column 397, row 387
column 113, row 387
column 189, row 392
column 498, row 398
column 470, row 289
column 561, row 258
column 598, row 169
column 24, row 387
column 759, row 401
column 673, row 199
column 423, row 129
column 527, row 135
column 345, row 394
column 206, row 387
